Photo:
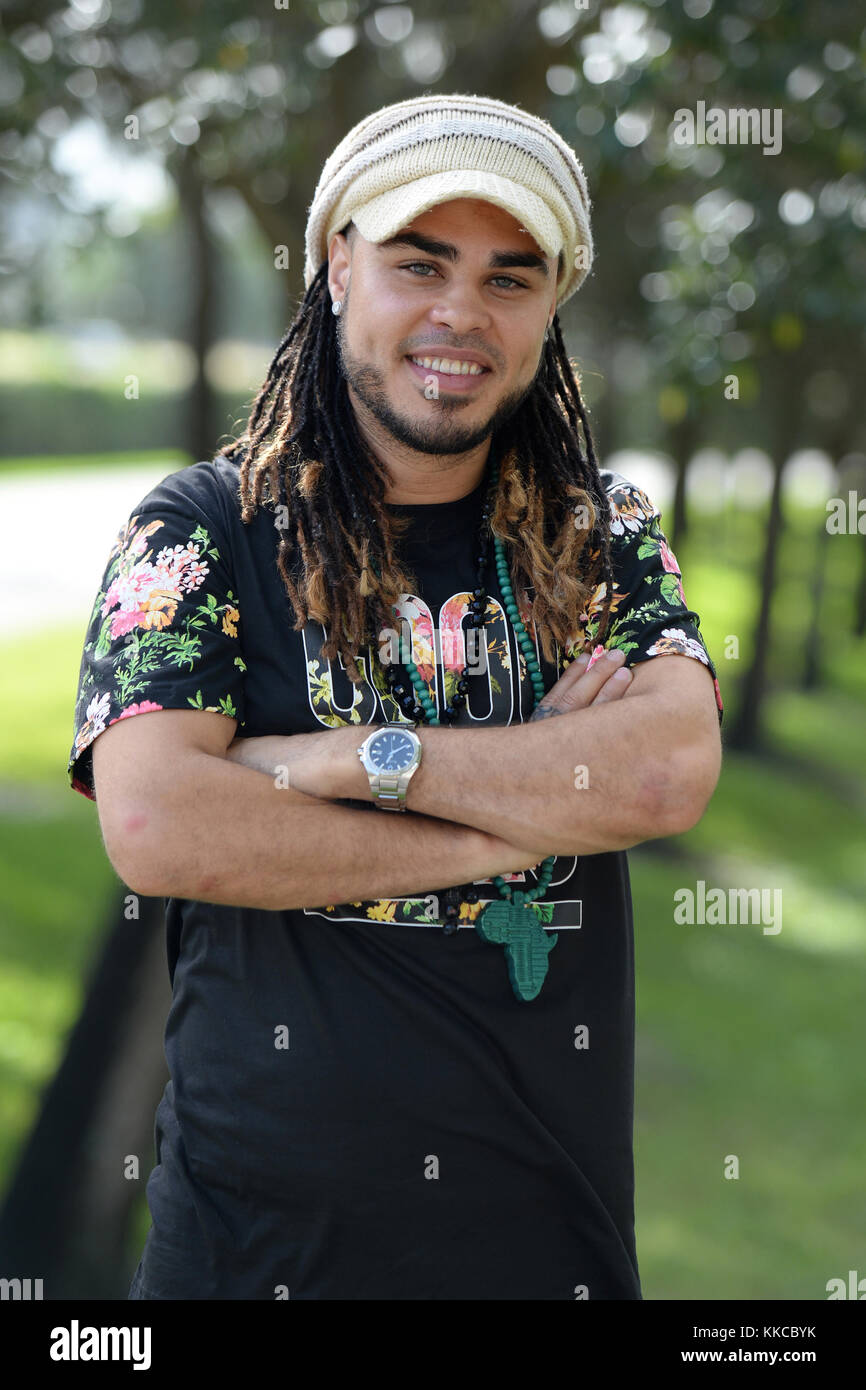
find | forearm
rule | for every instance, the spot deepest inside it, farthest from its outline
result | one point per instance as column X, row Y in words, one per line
column 603, row 777
column 589, row 781
column 573, row 785
column 226, row 834
column 617, row 765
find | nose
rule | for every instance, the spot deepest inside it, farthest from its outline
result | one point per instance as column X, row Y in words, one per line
column 459, row 307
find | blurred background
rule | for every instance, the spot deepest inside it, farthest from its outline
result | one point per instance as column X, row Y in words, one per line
column 158, row 161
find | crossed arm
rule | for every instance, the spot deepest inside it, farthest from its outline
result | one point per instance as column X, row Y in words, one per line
column 627, row 759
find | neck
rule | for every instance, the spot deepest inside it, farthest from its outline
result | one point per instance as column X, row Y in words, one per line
column 416, row 477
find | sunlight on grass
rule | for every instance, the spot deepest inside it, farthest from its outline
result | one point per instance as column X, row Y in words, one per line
column 825, row 725
column 747, row 1045
column 765, row 813
column 39, row 465
column 808, row 914
column 38, row 685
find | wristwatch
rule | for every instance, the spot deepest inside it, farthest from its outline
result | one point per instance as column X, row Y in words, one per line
column 390, row 757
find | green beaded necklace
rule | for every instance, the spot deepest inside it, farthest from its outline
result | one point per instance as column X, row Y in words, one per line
column 511, row 923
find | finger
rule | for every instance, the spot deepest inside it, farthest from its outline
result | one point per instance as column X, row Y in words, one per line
column 572, row 672
column 615, row 687
column 582, row 689
column 588, row 684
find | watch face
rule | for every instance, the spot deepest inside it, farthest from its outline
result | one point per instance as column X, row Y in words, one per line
column 391, row 751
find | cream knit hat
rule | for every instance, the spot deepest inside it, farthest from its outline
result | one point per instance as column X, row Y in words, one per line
column 406, row 158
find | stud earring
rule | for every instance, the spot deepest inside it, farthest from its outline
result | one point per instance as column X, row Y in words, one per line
column 336, row 306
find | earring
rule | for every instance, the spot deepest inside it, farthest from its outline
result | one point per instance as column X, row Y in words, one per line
column 336, row 306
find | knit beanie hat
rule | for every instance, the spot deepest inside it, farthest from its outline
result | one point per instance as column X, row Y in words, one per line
column 405, row 159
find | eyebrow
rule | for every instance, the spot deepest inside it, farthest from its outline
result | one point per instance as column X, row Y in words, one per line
column 448, row 252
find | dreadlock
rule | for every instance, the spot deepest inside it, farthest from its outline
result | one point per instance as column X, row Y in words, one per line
column 344, row 570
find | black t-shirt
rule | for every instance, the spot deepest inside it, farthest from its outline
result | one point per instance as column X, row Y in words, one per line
column 359, row 1106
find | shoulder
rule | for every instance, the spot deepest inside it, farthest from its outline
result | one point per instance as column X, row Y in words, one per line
column 631, row 509
column 206, row 491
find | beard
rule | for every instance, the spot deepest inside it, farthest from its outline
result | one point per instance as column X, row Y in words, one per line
column 444, row 434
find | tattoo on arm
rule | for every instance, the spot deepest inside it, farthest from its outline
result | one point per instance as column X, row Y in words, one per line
column 544, row 712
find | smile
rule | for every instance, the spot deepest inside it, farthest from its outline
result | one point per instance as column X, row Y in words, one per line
column 447, row 366
column 460, row 375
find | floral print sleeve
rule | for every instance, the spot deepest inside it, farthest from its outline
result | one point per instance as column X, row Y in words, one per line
column 649, row 613
column 163, row 633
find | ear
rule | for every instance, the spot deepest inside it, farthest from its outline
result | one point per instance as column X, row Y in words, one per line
column 339, row 264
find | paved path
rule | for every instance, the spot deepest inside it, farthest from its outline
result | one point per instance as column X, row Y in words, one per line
column 55, row 535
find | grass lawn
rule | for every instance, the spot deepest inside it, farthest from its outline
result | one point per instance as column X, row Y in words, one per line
column 39, row 465
column 749, row 1045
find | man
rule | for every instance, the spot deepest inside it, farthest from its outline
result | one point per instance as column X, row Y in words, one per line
column 401, row 1046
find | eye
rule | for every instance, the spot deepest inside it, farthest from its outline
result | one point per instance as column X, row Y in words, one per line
column 510, row 282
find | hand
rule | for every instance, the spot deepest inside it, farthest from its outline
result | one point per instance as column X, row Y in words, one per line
column 578, row 688
column 271, row 752
column 323, row 764
column 514, row 857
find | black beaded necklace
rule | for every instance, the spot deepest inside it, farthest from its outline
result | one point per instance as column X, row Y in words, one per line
column 512, row 922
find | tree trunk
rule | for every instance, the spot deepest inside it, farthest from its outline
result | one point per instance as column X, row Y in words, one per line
column 860, row 608
column 66, row 1213
column 812, row 662
column 201, row 426
column 842, row 431
column 684, row 440
column 746, row 732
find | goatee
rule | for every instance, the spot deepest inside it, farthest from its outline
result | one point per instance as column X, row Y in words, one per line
column 444, row 434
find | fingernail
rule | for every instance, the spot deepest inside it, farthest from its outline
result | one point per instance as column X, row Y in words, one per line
column 614, row 654
column 618, row 675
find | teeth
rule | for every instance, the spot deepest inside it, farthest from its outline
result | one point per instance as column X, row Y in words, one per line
column 449, row 367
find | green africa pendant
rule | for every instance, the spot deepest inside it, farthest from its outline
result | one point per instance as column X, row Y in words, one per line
column 513, row 924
